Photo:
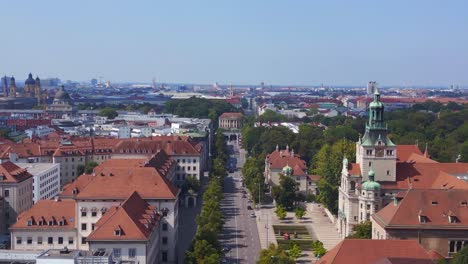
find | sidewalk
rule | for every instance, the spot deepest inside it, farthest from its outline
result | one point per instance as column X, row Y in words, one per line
column 322, row 227
column 265, row 230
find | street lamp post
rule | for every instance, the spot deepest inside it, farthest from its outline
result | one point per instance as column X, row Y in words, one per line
column 259, row 195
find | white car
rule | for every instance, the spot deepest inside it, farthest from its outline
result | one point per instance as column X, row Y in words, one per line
column 252, row 215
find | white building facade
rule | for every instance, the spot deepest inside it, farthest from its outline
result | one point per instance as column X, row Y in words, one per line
column 46, row 179
column 359, row 192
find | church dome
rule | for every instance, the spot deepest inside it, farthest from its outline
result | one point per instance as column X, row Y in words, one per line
column 371, row 185
column 30, row 80
column 61, row 94
column 376, row 104
column 287, row 170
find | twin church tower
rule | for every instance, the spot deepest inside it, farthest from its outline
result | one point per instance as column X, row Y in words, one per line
column 32, row 89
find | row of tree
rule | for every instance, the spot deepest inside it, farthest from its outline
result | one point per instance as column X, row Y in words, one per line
column 199, row 108
column 206, row 247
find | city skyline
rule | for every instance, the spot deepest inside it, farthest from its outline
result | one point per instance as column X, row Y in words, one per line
column 334, row 43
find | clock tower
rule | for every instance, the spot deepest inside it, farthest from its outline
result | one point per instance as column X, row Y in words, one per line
column 375, row 150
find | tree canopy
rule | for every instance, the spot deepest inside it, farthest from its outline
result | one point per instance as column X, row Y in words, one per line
column 274, row 254
column 362, row 231
column 108, row 112
column 199, row 108
column 285, row 193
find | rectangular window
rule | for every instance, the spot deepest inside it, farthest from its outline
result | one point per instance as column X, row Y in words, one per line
column 116, row 252
column 70, row 240
column 194, row 168
column 132, row 252
column 60, row 240
column 83, row 227
column 39, row 240
column 164, row 240
column 83, row 240
column 388, row 172
column 164, row 227
column 7, row 193
column 93, row 214
column 19, row 240
column 368, row 207
column 83, row 214
column 92, row 227
column 50, row 240
column 164, row 256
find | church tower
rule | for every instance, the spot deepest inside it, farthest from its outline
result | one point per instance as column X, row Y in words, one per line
column 369, row 198
column 12, row 87
column 375, row 150
column 29, row 86
column 37, row 90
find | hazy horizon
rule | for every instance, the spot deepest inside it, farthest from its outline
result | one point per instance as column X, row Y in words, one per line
column 300, row 43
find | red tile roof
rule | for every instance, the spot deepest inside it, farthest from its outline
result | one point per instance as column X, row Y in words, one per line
column 72, row 189
column 171, row 147
column 48, row 210
column 354, row 169
column 10, row 172
column 160, row 161
column 428, row 176
column 411, row 153
column 134, row 220
column 231, row 116
column 120, row 182
column 23, row 150
column 435, row 205
column 368, row 251
column 279, row 159
column 315, row 178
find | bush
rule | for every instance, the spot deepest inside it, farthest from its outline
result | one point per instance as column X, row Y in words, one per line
column 280, row 212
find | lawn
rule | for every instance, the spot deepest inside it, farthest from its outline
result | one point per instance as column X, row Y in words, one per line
column 304, row 239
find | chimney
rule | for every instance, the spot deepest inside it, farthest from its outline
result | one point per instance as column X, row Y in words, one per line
column 426, row 153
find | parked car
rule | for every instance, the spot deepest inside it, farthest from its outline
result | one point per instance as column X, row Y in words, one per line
column 249, row 207
column 252, row 215
column 226, row 249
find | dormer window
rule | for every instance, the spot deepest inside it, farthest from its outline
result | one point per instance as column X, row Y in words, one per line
column 30, row 222
column 463, row 203
column 453, row 219
column 118, row 231
column 423, row 219
column 62, row 222
column 434, row 203
column 165, row 211
column 51, row 222
column 41, row 222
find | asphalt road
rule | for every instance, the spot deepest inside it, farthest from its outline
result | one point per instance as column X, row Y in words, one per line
column 240, row 232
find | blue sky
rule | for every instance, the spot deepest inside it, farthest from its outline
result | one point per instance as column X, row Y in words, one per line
column 244, row 41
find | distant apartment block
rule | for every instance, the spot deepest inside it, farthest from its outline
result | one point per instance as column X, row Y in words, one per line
column 46, row 179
